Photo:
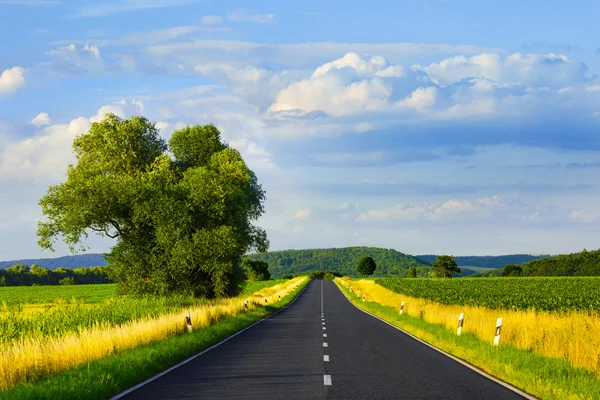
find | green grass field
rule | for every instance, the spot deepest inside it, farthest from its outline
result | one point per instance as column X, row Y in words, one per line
column 540, row 293
column 39, row 311
column 108, row 376
column 16, row 295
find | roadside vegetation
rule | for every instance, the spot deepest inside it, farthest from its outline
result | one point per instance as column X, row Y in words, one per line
column 34, row 355
column 566, row 334
column 116, row 371
column 546, row 377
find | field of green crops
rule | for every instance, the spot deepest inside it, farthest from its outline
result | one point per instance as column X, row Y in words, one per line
column 540, row 293
column 15, row 295
column 41, row 311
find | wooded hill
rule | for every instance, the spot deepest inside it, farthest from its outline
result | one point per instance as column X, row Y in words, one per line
column 585, row 263
column 487, row 261
column 75, row 261
column 340, row 260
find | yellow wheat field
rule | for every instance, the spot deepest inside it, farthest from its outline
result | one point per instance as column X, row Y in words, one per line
column 574, row 335
column 22, row 361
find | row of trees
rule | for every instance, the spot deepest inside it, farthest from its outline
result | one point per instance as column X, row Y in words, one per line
column 23, row 275
column 443, row 267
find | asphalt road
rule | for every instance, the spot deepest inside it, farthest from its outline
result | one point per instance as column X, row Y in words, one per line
column 321, row 346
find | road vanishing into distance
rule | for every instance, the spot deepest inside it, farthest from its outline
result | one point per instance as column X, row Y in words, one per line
column 322, row 347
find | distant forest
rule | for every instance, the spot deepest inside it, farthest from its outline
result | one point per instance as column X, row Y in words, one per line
column 340, row 260
column 585, row 263
column 487, row 261
column 24, row 275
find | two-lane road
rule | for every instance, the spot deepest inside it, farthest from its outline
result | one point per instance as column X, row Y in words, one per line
column 321, row 346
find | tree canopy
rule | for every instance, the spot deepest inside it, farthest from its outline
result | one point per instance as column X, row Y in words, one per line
column 181, row 221
column 445, row 265
column 256, row 270
column 366, row 266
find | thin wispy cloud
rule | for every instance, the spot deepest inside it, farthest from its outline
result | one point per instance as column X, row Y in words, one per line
column 249, row 16
column 115, row 7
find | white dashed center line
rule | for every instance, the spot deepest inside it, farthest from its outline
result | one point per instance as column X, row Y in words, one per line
column 327, row 380
column 326, row 358
column 324, row 344
column 324, row 335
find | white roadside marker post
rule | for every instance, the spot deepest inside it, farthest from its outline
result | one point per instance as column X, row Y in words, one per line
column 188, row 321
column 279, row 296
column 246, row 304
column 402, row 308
column 461, row 320
column 265, row 300
column 364, row 297
column 498, row 327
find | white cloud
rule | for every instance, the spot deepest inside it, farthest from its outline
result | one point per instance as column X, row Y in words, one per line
column 584, row 216
column 344, row 206
column 355, row 84
column 303, row 213
column 421, row 98
column 70, row 59
column 211, row 19
column 40, row 120
column 43, row 157
column 11, row 80
column 448, row 210
column 248, row 16
column 162, row 125
column 551, row 70
column 46, row 155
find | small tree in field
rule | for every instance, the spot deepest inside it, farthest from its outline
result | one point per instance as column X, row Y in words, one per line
column 366, row 266
column 412, row 272
column 445, row 266
column 67, row 281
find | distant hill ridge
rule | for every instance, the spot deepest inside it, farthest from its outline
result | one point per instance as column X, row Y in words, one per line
column 488, row 261
column 342, row 260
column 74, row 261
column 584, row 263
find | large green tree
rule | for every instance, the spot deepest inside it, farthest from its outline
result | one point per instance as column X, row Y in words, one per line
column 445, row 265
column 181, row 221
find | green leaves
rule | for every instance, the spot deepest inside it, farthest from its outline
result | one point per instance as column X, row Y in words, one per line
column 445, row 265
column 548, row 294
column 366, row 266
column 180, row 225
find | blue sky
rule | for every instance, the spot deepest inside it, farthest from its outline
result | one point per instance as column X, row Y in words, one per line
column 457, row 127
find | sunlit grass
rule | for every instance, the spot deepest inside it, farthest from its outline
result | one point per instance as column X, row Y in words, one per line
column 573, row 335
column 28, row 359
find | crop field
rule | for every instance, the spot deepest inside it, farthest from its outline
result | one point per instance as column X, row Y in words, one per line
column 18, row 295
column 559, row 294
column 34, row 344
column 554, row 317
column 33, row 312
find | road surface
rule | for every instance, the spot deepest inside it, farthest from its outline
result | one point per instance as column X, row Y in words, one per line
column 321, row 347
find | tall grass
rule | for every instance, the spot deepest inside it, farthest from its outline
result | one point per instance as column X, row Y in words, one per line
column 55, row 316
column 29, row 359
column 547, row 378
column 573, row 335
